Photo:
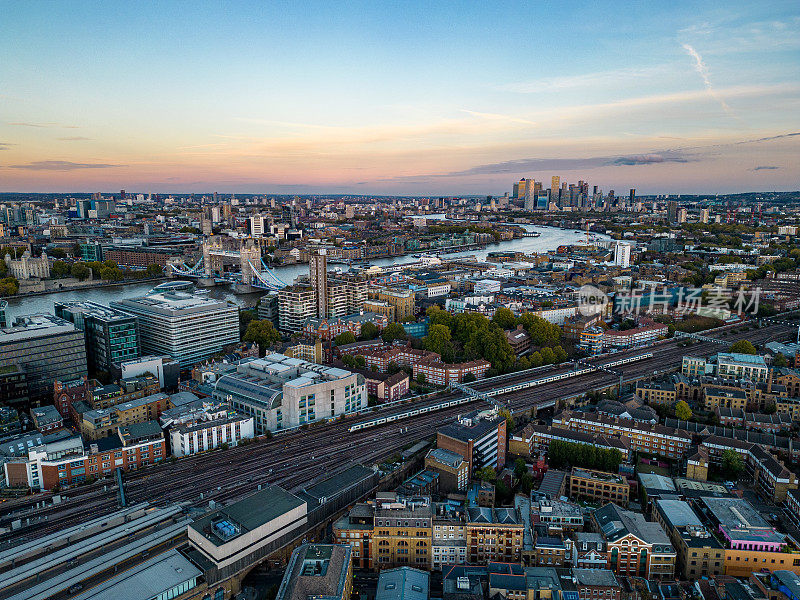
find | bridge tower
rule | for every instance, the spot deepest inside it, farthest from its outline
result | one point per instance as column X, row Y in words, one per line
column 249, row 259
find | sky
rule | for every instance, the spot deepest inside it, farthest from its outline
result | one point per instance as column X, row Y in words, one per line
column 412, row 98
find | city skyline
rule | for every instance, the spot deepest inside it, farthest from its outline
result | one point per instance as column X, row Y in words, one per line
column 407, row 100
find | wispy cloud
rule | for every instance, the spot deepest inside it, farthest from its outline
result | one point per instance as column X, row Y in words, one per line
column 571, row 164
column 43, row 125
column 766, row 168
column 61, row 165
column 702, row 69
column 498, row 117
column 74, row 138
column 601, row 79
column 5, row 145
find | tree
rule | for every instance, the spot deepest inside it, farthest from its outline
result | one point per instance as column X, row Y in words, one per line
column 520, row 467
column 392, row 368
column 486, row 474
column 542, row 332
column 59, row 269
column 469, row 378
column 9, row 286
column 743, row 347
column 536, row 360
column 349, row 360
column 504, row 318
column 360, row 361
column 392, row 332
column 263, row 333
column 369, row 331
column 154, row 270
column 345, row 338
column 732, row 464
column 506, row 414
column 57, row 253
column 780, row 361
column 80, row 271
column 682, row 411
column 438, row 339
column 76, row 249
column 548, row 356
column 421, row 379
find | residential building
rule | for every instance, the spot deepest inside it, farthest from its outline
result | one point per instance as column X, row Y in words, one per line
column 449, row 543
column 741, row 366
column 112, row 336
column 47, row 349
column 209, row 429
column 589, row 551
column 101, row 422
column 480, row 437
column 403, row 301
column 494, row 534
column 588, row 484
column 642, row 437
column 186, row 327
column 356, row 529
column 537, row 438
column 318, row 278
column 328, row 329
column 320, row 571
column 558, row 516
column 634, row 546
column 296, row 304
column 596, row 583
column 47, row 418
column 60, row 461
column 281, row 392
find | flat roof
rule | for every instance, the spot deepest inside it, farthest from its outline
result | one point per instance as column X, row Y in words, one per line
column 147, row 580
column 34, row 326
column 739, row 520
column 678, row 513
column 247, row 514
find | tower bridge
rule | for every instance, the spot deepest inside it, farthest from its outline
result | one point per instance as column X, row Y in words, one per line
column 219, row 253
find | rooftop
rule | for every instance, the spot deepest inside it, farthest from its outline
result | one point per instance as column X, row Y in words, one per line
column 172, row 303
column 29, row 327
column 316, row 571
column 403, row 583
column 740, row 521
column 604, row 577
column 250, row 513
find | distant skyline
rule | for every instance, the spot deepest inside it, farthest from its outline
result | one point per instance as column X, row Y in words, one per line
column 405, row 98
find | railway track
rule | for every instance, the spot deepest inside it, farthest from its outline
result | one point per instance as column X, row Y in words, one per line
column 293, row 459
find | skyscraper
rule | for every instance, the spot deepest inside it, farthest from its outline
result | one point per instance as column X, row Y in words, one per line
column 632, row 197
column 672, row 211
column 555, row 183
column 318, row 278
column 704, row 212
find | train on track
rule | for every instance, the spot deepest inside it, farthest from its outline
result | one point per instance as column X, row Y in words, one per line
column 414, row 411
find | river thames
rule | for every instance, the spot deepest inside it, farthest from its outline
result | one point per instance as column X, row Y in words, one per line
column 550, row 239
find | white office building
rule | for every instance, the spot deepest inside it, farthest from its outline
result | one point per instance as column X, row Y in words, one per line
column 281, row 392
column 187, row 327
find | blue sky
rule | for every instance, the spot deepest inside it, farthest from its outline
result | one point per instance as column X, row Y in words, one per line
column 405, row 97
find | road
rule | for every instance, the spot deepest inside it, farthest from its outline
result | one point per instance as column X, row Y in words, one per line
column 293, row 460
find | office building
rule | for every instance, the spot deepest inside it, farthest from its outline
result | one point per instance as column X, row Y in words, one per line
column 186, row 327
column 101, row 422
column 704, row 214
column 588, row 484
column 453, row 470
column 699, row 554
column 47, row 349
column 112, row 336
column 283, row 392
column 318, row 278
column 480, row 437
column 402, row 532
column 14, row 387
column 318, row 571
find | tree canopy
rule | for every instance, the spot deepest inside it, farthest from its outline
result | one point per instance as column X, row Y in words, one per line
column 565, row 454
column 392, row 332
column 263, row 333
column 682, row 411
column 345, row 338
column 743, row 347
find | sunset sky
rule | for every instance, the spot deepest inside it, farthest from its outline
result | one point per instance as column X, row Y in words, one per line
column 418, row 98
